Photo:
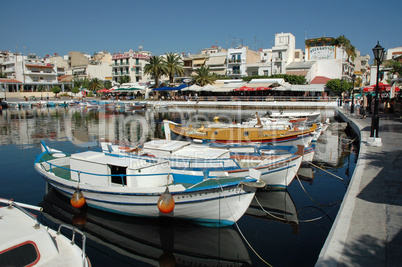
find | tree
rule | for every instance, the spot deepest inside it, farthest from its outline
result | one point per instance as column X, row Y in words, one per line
column 95, row 84
column 203, row 76
column 41, row 88
column 75, row 90
column 173, row 65
column 156, row 68
column 81, row 82
column 393, row 68
column 339, row 86
column 124, row 79
column 107, row 84
column 56, row 90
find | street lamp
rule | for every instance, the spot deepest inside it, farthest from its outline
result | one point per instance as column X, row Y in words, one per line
column 340, row 100
column 352, row 107
column 378, row 51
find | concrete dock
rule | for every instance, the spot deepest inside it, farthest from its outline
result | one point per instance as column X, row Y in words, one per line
column 368, row 228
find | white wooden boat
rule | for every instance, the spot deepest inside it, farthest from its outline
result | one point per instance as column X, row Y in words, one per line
column 148, row 240
column 26, row 242
column 277, row 165
column 310, row 116
column 134, row 186
column 135, row 106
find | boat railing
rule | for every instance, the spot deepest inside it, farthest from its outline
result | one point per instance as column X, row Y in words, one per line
column 74, row 230
column 12, row 204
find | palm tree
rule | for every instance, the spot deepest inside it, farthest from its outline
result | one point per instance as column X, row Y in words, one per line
column 124, row 79
column 156, row 68
column 95, row 84
column 174, row 66
column 203, row 76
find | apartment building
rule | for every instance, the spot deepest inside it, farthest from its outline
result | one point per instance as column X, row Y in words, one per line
column 237, row 60
column 131, row 64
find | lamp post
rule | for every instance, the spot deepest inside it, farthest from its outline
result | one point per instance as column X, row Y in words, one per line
column 340, row 99
column 378, row 51
column 352, row 106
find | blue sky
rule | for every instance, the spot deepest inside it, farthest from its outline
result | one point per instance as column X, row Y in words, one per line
column 47, row 27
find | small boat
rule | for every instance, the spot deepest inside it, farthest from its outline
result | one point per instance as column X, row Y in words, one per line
column 152, row 241
column 135, row 106
column 11, row 104
column 310, row 116
column 145, row 186
column 50, row 104
column 238, row 133
column 26, row 242
column 277, row 165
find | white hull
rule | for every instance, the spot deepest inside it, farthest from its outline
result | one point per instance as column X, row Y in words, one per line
column 220, row 201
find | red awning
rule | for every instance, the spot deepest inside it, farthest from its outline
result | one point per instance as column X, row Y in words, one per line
column 104, row 90
column 246, row 88
column 381, row 87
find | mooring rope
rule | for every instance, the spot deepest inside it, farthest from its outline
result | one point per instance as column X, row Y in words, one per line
column 336, row 176
column 322, row 205
column 238, row 228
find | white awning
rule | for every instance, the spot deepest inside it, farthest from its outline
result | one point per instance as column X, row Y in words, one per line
column 209, row 88
column 224, row 90
column 199, row 61
column 308, row 88
column 255, row 85
column 216, row 60
column 79, row 70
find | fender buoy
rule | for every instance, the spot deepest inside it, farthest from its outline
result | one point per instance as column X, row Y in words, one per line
column 78, row 199
column 166, row 202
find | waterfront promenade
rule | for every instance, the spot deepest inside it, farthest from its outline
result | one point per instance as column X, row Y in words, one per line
column 368, row 228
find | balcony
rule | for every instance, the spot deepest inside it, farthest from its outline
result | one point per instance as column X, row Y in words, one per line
column 234, row 72
column 8, row 70
column 37, row 72
column 235, row 61
column 120, row 73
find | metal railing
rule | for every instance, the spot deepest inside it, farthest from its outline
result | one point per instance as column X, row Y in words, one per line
column 258, row 98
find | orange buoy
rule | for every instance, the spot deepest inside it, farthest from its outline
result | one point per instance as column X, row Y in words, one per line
column 166, row 202
column 78, row 199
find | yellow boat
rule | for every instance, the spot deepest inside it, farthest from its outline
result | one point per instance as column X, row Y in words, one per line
column 238, row 133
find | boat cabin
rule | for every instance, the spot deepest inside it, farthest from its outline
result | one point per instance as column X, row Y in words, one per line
column 104, row 169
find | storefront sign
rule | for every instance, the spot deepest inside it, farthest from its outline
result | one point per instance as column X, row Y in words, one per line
column 322, row 52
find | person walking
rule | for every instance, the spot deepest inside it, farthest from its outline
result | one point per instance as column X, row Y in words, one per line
column 364, row 108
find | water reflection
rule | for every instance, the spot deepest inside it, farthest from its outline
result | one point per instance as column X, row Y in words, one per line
column 275, row 205
column 157, row 242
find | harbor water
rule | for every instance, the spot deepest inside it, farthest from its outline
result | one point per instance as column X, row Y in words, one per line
column 280, row 228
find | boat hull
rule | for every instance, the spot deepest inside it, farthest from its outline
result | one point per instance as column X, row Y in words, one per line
column 216, row 206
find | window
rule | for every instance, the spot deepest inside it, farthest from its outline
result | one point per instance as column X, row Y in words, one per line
column 266, row 73
column 297, row 54
column 24, row 254
column 118, row 175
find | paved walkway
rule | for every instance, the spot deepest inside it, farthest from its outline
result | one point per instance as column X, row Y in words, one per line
column 368, row 228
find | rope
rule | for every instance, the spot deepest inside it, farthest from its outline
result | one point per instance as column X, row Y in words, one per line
column 322, row 205
column 238, row 228
column 281, row 219
column 336, row 176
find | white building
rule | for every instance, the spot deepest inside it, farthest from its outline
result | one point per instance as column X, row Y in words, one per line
column 237, row 58
column 332, row 61
column 130, row 64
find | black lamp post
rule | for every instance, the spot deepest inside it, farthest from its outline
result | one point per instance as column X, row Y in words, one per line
column 340, row 99
column 352, row 106
column 378, row 51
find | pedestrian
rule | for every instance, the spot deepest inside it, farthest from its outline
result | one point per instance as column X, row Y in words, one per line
column 364, row 108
